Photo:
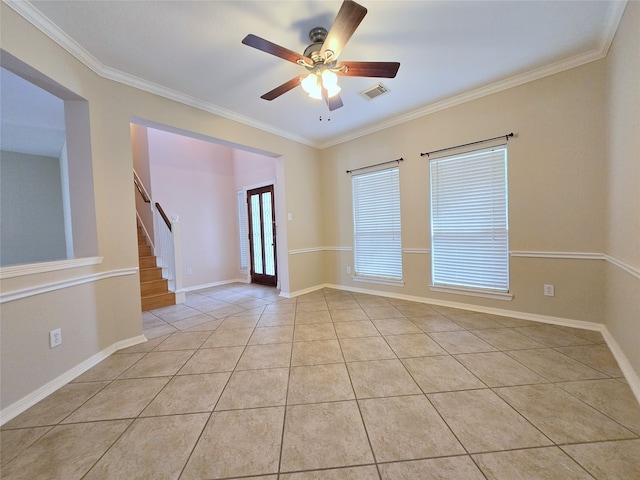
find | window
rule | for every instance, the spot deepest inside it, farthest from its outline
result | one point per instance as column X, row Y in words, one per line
column 242, row 230
column 376, row 220
column 469, row 226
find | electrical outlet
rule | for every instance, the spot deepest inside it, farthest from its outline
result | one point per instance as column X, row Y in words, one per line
column 189, row 271
column 549, row 290
column 348, row 269
column 55, row 338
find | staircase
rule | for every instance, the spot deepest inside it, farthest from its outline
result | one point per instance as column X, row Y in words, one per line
column 153, row 288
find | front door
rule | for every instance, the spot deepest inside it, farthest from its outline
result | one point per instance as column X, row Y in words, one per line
column 262, row 238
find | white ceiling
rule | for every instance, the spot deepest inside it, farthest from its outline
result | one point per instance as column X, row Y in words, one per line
column 450, row 51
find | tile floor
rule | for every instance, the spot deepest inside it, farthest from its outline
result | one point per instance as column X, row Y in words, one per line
column 240, row 383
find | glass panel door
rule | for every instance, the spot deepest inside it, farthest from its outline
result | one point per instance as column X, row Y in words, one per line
column 262, row 238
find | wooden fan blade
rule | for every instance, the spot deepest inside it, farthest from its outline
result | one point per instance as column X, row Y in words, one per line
column 270, row 47
column 346, row 22
column 284, row 88
column 334, row 102
column 368, row 69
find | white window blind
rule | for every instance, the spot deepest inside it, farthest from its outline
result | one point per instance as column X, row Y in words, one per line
column 242, row 231
column 469, row 220
column 377, row 230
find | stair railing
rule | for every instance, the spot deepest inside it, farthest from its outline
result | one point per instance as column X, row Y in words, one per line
column 167, row 234
column 166, row 241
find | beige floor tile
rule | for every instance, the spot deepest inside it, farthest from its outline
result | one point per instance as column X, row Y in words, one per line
column 598, row 357
column 239, row 321
column 406, row 428
column 395, row 326
column 142, row 452
column 547, row 463
column 311, row 306
column 160, row 331
column 65, row 452
column 608, row 460
column 562, row 417
column 149, row 320
column 174, row 313
column 120, row 399
column 349, row 315
column 437, row 323
column 416, row 310
column 14, row 442
column 324, row 435
column 158, row 364
column 265, row 356
column 441, row 374
column 611, row 397
column 212, row 360
column 512, row 322
column 592, row 336
column 228, row 338
column 551, row 336
column 201, row 322
column 110, row 368
column 225, row 311
column 245, row 442
column 188, row 394
column 483, row 422
column 315, row 331
column 255, row 388
column 475, row 321
column 366, row 348
column 361, row 328
column 319, row 383
column 368, row 472
column 506, row 339
column 54, row 408
column 414, row 345
column 314, row 353
column 183, row 341
column 342, row 304
column 461, row 342
column 321, row 316
column 496, row 369
column 280, row 308
column 265, row 335
column 379, row 313
column 371, row 301
column 277, row 319
column 554, row 366
column 381, row 378
column 449, row 468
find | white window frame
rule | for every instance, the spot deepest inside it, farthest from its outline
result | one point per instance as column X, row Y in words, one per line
column 243, row 231
column 377, row 236
column 474, row 181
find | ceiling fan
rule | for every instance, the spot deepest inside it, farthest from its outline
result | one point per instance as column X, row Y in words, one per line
column 320, row 58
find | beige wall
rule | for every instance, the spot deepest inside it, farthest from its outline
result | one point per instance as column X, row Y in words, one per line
column 104, row 308
column 623, row 206
column 557, row 184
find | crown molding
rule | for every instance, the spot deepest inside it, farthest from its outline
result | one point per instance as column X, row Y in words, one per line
column 46, row 26
column 40, row 21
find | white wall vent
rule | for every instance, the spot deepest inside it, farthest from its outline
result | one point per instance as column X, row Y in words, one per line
column 375, row 91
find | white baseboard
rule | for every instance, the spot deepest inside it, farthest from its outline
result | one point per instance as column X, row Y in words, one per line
column 34, row 397
column 211, row 285
column 627, row 370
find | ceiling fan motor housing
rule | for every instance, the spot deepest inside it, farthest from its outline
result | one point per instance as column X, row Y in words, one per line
column 317, row 36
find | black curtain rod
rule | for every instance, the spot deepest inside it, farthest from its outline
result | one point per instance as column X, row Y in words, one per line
column 506, row 137
column 376, row 165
